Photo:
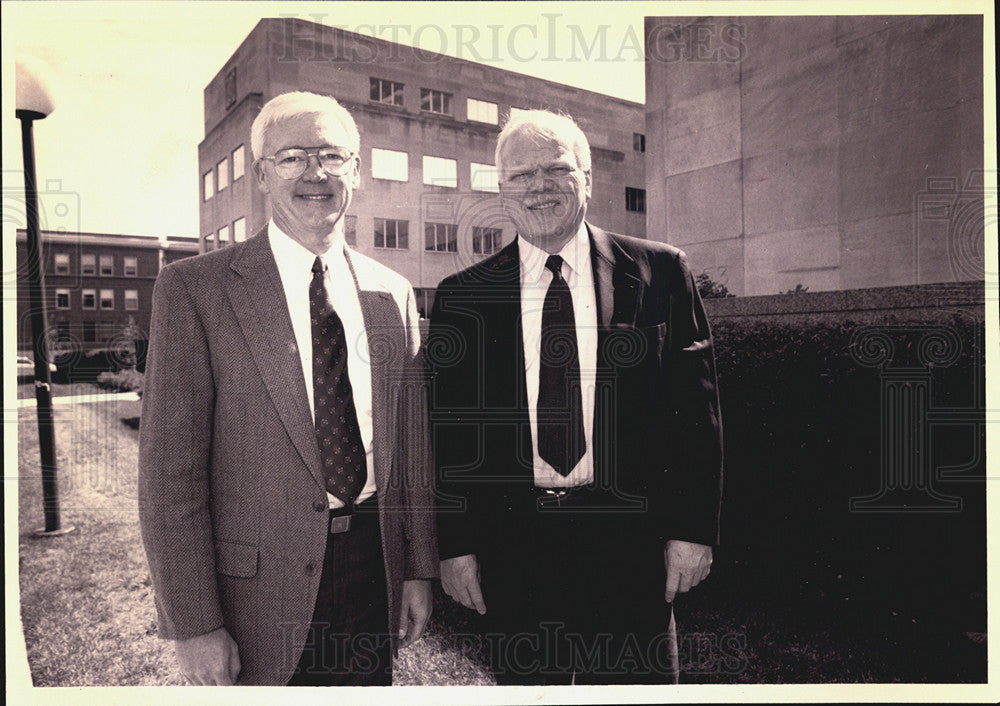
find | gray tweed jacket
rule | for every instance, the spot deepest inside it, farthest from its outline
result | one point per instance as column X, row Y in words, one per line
column 231, row 498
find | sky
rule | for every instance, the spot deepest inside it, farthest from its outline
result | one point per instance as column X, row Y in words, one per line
column 119, row 154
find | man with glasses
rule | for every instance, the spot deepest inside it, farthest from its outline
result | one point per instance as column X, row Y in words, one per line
column 284, row 466
column 576, row 430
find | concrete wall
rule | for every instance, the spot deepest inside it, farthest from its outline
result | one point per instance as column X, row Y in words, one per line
column 819, row 151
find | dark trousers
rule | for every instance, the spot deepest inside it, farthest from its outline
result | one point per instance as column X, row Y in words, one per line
column 576, row 595
column 348, row 641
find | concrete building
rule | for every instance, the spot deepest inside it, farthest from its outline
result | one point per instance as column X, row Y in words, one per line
column 831, row 152
column 94, row 283
column 427, row 205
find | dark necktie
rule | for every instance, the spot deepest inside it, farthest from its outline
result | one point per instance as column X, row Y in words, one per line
column 337, row 430
column 561, row 441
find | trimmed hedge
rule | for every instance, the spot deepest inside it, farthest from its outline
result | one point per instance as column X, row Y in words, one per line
column 803, row 430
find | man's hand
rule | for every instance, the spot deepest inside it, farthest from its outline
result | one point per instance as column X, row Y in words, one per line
column 417, row 607
column 687, row 565
column 211, row 659
column 460, row 580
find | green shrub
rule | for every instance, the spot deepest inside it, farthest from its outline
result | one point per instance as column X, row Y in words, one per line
column 708, row 288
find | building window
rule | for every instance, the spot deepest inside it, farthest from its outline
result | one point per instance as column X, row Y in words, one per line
column 223, row 237
column 440, row 172
column 383, row 91
column 390, row 164
column 62, row 299
column 62, row 331
column 239, row 230
column 516, row 113
column 131, row 299
column 231, row 88
column 130, row 266
column 209, row 242
column 435, row 101
column 481, row 111
column 222, row 168
column 89, row 300
column 239, row 155
column 441, row 237
column 208, row 185
column 392, row 234
column 638, row 142
column 107, row 265
column 107, row 299
column 89, row 332
column 88, row 264
column 62, row 263
column 351, row 230
column 486, row 241
column 484, row 177
column 635, row 199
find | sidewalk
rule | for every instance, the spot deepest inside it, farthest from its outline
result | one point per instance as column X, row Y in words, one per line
column 76, row 399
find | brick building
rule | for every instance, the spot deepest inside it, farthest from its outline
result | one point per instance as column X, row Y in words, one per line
column 94, row 283
column 427, row 205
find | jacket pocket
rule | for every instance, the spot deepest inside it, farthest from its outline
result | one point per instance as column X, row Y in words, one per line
column 655, row 336
column 239, row 560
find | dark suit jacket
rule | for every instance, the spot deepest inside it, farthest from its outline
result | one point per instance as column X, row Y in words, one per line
column 232, row 504
column 657, row 427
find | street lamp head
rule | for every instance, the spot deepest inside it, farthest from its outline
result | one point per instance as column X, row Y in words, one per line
column 34, row 97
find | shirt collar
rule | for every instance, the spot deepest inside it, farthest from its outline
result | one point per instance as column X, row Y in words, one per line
column 291, row 255
column 575, row 253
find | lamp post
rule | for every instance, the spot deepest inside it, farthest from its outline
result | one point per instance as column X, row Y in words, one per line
column 34, row 103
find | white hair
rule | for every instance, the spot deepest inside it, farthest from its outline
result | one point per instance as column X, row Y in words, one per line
column 545, row 125
column 291, row 105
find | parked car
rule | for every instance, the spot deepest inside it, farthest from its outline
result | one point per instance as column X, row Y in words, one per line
column 26, row 369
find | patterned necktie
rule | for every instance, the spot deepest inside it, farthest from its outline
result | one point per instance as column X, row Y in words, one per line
column 561, row 441
column 337, row 430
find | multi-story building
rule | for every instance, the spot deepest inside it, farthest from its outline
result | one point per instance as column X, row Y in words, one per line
column 428, row 204
column 95, row 284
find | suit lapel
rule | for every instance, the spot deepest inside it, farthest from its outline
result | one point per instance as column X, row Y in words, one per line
column 616, row 281
column 258, row 298
column 386, row 336
column 504, row 353
column 618, row 289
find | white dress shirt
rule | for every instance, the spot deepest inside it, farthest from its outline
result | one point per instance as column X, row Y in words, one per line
column 295, row 267
column 535, row 279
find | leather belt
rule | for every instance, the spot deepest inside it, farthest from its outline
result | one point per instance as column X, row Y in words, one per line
column 341, row 518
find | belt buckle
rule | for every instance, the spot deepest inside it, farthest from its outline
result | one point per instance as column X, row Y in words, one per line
column 340, row 524
column 556, row 494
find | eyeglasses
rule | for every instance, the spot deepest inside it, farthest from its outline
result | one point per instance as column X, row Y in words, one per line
column 292, row 163
column 526, row 176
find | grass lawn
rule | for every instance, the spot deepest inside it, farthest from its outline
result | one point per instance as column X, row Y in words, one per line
column 87, row 603
column 88, row 616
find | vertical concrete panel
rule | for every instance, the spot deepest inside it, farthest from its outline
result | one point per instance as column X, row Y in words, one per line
column 693, row 137
column 877, row 249
column 704, row 205
column 790, row 189
column 721, row 260
column 778, row 261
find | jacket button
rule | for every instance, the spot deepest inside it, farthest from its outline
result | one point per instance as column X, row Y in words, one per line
column 310, row 569
column 319, row 506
